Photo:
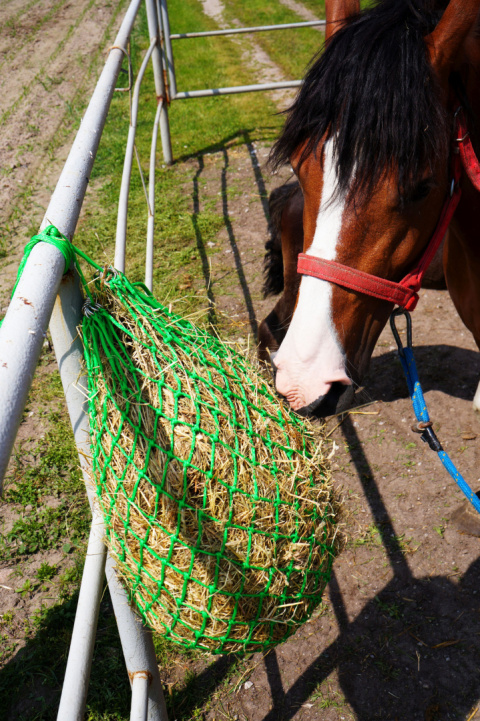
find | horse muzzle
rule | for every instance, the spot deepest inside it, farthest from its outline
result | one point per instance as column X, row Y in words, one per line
column 339, row 398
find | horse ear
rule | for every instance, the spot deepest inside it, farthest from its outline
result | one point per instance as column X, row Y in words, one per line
column 446, row 41
column 337, row 12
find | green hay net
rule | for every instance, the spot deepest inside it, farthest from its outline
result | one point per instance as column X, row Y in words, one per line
column 218, row 507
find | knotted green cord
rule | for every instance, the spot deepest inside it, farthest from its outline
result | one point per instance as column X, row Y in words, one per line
column 52, row 235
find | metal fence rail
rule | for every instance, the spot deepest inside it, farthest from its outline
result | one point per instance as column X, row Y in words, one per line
column 241, row 31
column 171, row 92
column 41, row 289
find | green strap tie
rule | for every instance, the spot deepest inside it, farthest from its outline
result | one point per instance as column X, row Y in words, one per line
column 53, row 236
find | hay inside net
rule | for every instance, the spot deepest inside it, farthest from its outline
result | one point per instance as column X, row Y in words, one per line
column 217, row 501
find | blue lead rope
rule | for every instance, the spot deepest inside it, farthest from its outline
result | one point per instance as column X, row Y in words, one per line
column 424, row 425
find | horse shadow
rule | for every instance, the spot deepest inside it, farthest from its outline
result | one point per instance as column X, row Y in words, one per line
column 411, row 654
column 438, row 368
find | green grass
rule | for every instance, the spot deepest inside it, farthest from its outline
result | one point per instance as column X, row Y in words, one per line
column 303, row 44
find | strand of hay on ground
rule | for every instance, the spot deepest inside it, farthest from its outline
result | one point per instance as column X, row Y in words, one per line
column 218, row 502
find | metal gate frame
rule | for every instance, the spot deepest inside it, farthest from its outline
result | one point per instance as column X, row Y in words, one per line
column 171, row 92
column 44, row 294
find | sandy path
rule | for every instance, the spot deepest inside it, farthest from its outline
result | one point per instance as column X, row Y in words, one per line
column 301, row 11
column 264, row 69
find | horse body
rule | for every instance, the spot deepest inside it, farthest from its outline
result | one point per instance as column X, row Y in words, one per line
column 373, row 187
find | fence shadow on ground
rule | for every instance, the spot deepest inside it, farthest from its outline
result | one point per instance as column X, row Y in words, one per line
column 30, row 683
column 244, row 138
column 402, row 660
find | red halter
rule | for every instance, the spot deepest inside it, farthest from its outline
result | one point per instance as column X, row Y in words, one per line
column 405, row 293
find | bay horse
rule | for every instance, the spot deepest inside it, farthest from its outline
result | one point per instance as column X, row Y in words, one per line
column 372, row 138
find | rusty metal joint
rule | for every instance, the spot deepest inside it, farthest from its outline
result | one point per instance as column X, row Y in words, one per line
column 166, row 87
column 140, row 674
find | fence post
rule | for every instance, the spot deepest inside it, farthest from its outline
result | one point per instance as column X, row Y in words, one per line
column 168, row 51
column 154, row 30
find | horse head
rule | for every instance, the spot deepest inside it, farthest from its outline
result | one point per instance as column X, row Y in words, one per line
column 370, row 137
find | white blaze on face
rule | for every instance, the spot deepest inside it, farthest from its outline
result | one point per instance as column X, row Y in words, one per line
column 310, row 358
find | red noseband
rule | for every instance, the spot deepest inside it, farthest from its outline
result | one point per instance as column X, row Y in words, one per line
column 404, row 293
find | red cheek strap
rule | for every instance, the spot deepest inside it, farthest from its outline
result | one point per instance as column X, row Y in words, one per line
column 357, row 280
column 404, row 293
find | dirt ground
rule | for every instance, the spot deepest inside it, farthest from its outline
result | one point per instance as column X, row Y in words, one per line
column 398, row 637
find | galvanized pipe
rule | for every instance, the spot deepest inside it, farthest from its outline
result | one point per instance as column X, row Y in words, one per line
column 121, row 237
column 63, row 211
column 137, row 646
column 154, row 36
column 151, row 203
column 139, row 706
column 64, row 208
column 240, row 31
column 237, row 89
column 77, row 674
column 157, row 63
column 165, row 27
column 22, row 335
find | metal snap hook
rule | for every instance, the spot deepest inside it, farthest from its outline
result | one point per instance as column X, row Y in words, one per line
column 396, row 335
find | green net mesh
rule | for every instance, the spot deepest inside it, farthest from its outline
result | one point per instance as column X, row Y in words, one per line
column 217, row 503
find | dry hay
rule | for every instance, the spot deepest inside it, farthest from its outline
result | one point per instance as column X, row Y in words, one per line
column 222, row 527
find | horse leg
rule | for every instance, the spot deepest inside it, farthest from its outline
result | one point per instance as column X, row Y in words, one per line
column 286, row 242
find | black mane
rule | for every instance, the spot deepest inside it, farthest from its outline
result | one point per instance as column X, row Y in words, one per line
column 374, row 91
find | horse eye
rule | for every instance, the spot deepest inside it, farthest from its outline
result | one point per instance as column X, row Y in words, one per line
column 420, row 192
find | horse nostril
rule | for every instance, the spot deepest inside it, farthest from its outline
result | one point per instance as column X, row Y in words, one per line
column 338, row 399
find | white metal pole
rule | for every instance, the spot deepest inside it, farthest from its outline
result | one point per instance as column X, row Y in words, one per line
column 154, row 29
column 64, row 207
column 139, row 705
column 165, row 24
column 77, row 674
column 121, row 237
column 23, row 329
column 137, row 645
column 63, row 211
column 208, row 92
column 22, row 335
column 151, row 203
column 254, row 29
